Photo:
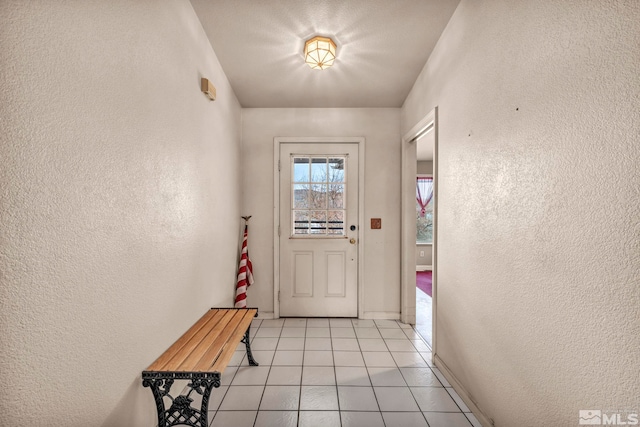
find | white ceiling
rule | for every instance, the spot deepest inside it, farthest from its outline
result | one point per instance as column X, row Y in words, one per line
column 382, row 47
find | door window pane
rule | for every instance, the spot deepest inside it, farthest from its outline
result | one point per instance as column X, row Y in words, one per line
column 301, row 170
column 336, row 170
column 318, row 195
column 319, row 169
column 335, row 223
column 301, row 222
column 318, row 220
column 300, row 196
column 335, row 196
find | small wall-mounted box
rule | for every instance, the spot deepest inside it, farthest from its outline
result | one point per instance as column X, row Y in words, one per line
column 208, row 88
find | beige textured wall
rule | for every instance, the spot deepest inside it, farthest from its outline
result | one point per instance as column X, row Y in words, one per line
column 380, row 127
column 119, row 202
column 425, row 167
column 539, row 246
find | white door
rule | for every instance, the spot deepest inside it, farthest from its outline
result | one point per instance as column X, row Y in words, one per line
column 318, row 230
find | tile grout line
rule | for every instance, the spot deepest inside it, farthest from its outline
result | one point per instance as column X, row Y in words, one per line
column 304, row 349
column 367, row 369
column 409, row 388
column 215, row 413
column 336, row 386
column 268, row 373
column 437, row 378
column 334, row 370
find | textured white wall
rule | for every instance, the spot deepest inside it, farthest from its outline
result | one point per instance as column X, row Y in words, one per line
column 381, row 129
column 539, row 242
column 119, row 206
column 425, row 167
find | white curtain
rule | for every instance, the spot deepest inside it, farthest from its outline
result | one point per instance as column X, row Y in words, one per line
column 424, row 193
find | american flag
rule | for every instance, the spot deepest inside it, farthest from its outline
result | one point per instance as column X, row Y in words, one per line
column 245, row 274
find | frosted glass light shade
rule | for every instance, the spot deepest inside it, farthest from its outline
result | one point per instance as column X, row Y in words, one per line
column 319, row 52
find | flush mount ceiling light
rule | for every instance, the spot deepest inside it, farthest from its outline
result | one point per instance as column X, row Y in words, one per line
column 319, row 52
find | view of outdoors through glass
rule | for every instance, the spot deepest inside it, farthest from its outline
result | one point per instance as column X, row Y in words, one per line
column 424, row 210
column 318, row 195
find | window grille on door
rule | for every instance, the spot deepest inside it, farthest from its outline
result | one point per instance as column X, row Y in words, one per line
column 318, row 199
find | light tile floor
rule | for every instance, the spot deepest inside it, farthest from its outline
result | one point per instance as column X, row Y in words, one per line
column 336, row 372
column 424, row 312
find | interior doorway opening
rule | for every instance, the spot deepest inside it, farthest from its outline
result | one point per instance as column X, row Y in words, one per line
column 419, row 159
column 424, row 215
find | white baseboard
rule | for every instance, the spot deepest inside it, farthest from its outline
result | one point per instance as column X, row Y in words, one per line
column 409, row 320
column 265, row 314
column 484, row 420
column 381, row 315
column 424, row 267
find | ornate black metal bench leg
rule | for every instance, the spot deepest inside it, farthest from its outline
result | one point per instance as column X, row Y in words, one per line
column 247, row 344
column 181, row 412
column 204, row 386
column 156, row 384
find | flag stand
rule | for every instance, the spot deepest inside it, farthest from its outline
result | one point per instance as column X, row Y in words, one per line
column 245, row 270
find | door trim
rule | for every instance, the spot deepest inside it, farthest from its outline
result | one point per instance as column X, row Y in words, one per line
column 279, row 140
column 408, row 237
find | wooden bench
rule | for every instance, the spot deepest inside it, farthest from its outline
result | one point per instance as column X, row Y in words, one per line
column 201, row 356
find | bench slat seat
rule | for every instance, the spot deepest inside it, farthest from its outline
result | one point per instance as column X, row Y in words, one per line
column 201, row 355
column 180, row 343
column 208, row 337
column 227, row 352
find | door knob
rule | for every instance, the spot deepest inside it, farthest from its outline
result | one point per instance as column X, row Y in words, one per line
column 352, row 241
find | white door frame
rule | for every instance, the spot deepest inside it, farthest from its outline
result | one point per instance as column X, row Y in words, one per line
column 408, row 237
column 277, row 141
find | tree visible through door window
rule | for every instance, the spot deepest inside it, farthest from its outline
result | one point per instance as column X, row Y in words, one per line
column 318, row 195
column 424, row 209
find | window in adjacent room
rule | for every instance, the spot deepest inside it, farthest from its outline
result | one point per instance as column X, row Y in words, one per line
column 424, row 209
